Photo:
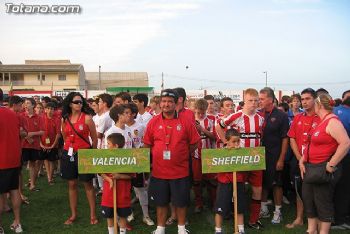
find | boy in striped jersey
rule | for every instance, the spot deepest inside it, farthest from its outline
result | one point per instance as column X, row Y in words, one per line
column 249, row 124
column 205, row 128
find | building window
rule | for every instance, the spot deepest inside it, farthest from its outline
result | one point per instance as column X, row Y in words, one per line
column 61, row 77
column 42, row 77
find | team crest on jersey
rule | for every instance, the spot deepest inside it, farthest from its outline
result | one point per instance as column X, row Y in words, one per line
column 273, row 119
column 314, row 125
column 340, row 112
column 160, row 127
column 178, row 127
column 129, row 134
column 316, row 134
column 299, row 123
column 81, row 127
column 136, row 132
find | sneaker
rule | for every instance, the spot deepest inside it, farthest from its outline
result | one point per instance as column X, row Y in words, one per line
column 186, row 232
column 285, row 200
column 198, row 209
column 257, row 226
column 130, row 217
column 269, row 202
column 277, row 217
column 264, row 214
column 147, row 220
column 17, row 228
column 2, row 230
column 343, row 226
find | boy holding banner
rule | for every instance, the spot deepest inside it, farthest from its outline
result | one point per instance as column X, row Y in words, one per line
column 223, row 204
column 122, row 186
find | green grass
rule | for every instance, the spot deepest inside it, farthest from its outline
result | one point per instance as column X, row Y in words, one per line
column 49, row 208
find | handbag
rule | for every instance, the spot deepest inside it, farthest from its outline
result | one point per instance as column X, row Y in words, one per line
column 316, row 173
column 78, row 134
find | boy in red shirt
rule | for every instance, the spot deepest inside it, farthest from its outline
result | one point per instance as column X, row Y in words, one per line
column 49, row 141
column 223, row 206
column 31, row 144
column 123, row 187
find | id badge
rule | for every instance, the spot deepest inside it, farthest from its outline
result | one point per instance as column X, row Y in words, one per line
column 70, row 151
column 47, row 140
column 166, row 155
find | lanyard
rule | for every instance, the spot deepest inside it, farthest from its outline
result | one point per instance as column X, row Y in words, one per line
column 167, row 130
column 71, row 132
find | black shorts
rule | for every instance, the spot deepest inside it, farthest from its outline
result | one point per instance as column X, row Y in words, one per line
column 108, row 212
column 9, row 179
column 162, row 191
column 224, row 199
column 318, row 201
column 69, row 169
column 271, row 178
column 51, row 156
column 30, row 155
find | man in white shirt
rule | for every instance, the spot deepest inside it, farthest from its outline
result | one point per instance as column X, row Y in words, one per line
column 104, row 121
column 141, row 101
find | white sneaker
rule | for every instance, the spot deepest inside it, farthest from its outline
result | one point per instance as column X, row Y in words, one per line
column 285, row 200
column 269, row 202
column 17, row 228
column 264, row 213
column 130, row 217
column 2, row 230
column 277, row 217
column 147, row 220
column 185, row 232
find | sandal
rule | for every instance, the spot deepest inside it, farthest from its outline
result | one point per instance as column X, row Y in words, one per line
column 35, row 189
column 69, row 221
column 170, row 221
column 25, row 200
column 294, row 225
column 93, row 221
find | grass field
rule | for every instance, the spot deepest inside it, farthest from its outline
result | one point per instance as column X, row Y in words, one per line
column 49, row 208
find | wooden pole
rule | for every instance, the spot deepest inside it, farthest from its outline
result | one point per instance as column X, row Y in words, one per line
column 115, row 206
column 235, row 205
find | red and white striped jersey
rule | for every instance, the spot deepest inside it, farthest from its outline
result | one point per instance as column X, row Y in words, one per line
column 207, row 124
column 249, row 127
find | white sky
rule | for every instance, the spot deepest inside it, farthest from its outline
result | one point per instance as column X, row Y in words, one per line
column 227, row 44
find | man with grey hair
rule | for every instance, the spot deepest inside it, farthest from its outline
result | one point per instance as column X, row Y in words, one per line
column 275, row 140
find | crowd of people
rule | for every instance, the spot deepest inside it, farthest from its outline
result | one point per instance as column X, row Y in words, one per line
column 306, row 140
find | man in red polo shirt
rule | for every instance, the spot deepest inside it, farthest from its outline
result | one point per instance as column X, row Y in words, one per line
column 298, row 134
column 171, row 138
column 10, row 162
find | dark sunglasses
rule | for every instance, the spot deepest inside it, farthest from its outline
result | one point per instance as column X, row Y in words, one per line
column 77, row 102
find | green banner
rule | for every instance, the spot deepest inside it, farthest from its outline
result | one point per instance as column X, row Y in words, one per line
column 92, row 161
column 230, row 160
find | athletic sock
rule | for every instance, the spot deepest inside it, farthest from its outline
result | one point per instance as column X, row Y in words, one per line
column 110, row 230
column 241, row 228
column 160, row 230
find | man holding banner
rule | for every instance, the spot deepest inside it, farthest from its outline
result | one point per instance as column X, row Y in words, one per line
column 171, row 138
column 249, row 124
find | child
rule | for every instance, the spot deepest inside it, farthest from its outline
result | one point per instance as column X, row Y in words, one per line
column 223, row 206
column 139, row 182
column 123, row 187
column 205, row 128
column 49, row 141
